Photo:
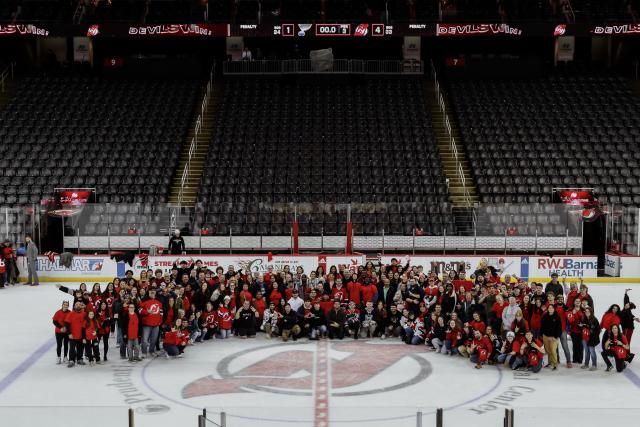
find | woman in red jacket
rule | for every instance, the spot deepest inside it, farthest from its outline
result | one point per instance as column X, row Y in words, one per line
column 174, row 339
column 104, row 328
column 92, row 343
column 62, row 336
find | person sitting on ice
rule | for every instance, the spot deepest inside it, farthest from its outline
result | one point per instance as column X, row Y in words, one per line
column 480, row 349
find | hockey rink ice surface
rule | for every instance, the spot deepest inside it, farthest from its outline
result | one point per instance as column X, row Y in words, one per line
column 260, row 382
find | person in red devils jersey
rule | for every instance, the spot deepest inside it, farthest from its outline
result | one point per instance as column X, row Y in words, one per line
column 62, row 335
column 224, row 319
column 208, row 322
column 530, row 355
column 151, row 312
column 132, row 330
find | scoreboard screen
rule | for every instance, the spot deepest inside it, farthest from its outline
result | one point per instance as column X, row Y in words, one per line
column 333, row 30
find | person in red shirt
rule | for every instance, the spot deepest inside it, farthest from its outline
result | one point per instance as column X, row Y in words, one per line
column 531, row 354
column 536, row 316
column 326, row 304
column 261, row 305
column 480, row 348
column 339, row 292
column 477, row 323
column 369, row 291
column 151, row 312
column 224, row 317
column 74, row 323
column 354, row 288
column 208, row 322
column 616, row 346
column 62, row 336
column 9, row 260
column 245, row 294
column 91, row 339
column 462, row 282
column 497, row 308
column 609, row 318
column 275, row 296
column 174, row 340
column 133, row 335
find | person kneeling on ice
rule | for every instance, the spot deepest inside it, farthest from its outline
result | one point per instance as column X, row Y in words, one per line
column 510, row 349
column 246, row 321
column 175, row 340
column 480, row 349
column 531, row 354
column 616, row 346
column 352, row 314
column 453, row 335
column 318, row 322
column 270, row 321
column 417, row 331
column 290, row 327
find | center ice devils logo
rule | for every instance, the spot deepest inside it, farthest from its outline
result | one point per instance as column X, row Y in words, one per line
column 289, row 370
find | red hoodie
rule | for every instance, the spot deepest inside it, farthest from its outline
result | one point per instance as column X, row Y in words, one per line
column 368, row 292
column 75, row 322
column 608, row 320
column 91, row 329
column 132, row 328
column 151, row 311
column 483, row 347
column 354, row 289
column 58, row 320
column 340, row 293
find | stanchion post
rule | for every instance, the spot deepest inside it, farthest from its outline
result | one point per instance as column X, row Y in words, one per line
column 439, row 417
column 201, row 421
column 132, row 421
column 419, row 419
column 223, row 419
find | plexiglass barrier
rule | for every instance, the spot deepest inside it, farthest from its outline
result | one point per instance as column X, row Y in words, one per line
column 256, row 225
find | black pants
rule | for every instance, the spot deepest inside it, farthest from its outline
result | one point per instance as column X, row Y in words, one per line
column 209, row 334
column 336, row 331
column 75, row 350
column 619, row 362
column 62, row 339
column 355, row 328
column 576, row 341
column 92, row 349
column 105, row 345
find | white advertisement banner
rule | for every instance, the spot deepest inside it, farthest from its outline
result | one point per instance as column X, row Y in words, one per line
column 526, row 267
column 256, row 263
column 629, row 267
column 82, row 269
column 612, row 265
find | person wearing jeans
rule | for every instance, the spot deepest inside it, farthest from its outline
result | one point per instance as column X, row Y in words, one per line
column 590, row 338
column 151, row 311
column 132, row 330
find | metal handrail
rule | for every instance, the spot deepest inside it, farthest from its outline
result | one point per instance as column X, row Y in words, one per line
column 194, row 141
column 452, row 142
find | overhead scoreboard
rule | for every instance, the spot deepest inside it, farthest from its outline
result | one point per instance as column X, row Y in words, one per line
column 333, row 30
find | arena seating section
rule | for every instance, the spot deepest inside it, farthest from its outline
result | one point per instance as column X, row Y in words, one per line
column 323, row 140
column 518, row 135
column 121, row 137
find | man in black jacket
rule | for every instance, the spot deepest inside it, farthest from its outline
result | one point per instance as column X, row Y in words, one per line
column 290, row 325
column 176, row 244
column 336, row 321
column 386, row 292
column 551, row 329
